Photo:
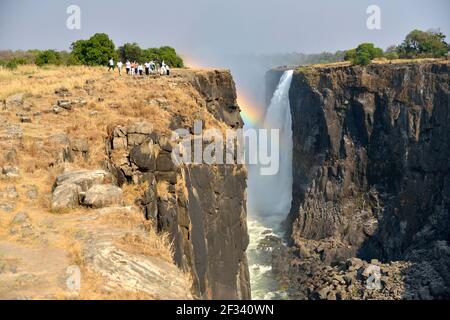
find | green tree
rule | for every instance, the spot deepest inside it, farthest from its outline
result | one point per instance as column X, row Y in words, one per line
column 166, row 54
column 419, row 44
column 97, row 50
column 363, row 54
column 48, row 57
column 130, row 51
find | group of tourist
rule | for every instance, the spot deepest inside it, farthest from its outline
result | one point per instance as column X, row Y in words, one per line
column 136, row 68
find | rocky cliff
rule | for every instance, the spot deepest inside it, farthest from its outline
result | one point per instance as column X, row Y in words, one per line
column 371, row 169
column 89, row 191
column 201, row 207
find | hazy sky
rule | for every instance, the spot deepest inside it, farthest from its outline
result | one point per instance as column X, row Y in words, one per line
column 197, row 27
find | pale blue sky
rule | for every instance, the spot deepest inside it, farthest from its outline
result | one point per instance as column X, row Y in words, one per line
column 203, row 27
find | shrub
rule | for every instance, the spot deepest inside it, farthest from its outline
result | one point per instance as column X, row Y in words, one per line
column 48, row 57
column 421, row 44
column 11, row 65
column 363, row 54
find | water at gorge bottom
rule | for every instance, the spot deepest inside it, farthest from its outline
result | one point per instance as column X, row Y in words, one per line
column 270, row 197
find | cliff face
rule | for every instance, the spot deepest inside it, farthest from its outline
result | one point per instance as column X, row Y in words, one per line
column 201, row 207
column 371, row 163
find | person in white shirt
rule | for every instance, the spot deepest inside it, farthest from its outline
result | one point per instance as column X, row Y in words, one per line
column 147, row 68
column 162, row 70
column 111, row 64
column 152, row 66
column 140, row 69
column 167, row 70
column 128, row 66
column 119, row 66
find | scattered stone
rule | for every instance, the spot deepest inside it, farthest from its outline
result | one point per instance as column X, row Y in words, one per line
column 100, row 196
column 32, row 192
column 25, row 119
column 11, row 192
column 10, row 172
column 20, row 218
column 64, row 104
column 62, row 92
column 15, row 100
column 66, row 196
column 7, row 207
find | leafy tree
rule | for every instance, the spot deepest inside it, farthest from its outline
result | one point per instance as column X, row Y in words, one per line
column 48, row 57
column 130, row 51
column 95, row 51
column 166, row 54
column 169, row 55
column 363, row 54
column 419, row 44
column 350, row 55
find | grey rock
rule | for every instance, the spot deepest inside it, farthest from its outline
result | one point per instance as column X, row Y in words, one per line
column 143, row 156
column 7, row 206
column 66, row 196
column 102, row 195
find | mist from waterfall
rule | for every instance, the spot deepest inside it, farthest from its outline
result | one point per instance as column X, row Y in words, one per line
column 271, row 195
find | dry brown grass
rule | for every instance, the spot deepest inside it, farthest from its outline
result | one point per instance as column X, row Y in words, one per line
column 133, row 191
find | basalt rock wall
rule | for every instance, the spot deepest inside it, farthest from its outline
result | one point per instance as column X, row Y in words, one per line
column 201, row 207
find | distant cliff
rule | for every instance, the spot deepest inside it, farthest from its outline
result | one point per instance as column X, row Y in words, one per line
column 371, row 166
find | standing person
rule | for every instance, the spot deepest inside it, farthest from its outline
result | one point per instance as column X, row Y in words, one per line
column 152, row 66
column 128, row 66
column 133, row 68
column 167, row 70
column 111, row 64
column 147, row 68
column 140, row 69
column 119, row 66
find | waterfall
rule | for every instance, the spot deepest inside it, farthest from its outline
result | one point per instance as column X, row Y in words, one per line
column 272, row 195
column 269, row 197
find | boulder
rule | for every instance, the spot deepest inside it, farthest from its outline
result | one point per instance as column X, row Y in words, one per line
column 143, row 157
column 84, row 178
column 101, row 195
column 66, row 196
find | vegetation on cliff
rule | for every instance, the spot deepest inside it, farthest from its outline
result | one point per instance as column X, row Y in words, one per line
column 417, row 44
column 95, row 51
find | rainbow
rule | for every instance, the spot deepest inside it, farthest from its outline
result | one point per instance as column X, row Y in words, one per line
column 251, row 113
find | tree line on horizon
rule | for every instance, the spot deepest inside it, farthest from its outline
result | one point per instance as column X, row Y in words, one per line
column 95, row 51
column 417, row 44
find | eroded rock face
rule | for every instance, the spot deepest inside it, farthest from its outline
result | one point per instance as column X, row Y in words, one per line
column 371, row 162
column 201, row 207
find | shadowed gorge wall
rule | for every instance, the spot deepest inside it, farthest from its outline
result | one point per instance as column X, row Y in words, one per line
column 371, row 161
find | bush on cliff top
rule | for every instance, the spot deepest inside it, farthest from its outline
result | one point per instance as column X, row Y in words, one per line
column 423, row 44
column 363, row 54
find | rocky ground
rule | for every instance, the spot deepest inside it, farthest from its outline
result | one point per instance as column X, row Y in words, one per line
column 61, row 214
